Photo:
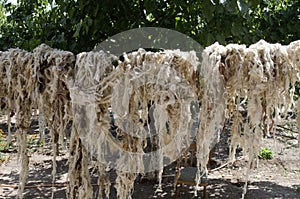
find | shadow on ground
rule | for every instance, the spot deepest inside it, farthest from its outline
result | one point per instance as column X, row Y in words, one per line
column 145, row 189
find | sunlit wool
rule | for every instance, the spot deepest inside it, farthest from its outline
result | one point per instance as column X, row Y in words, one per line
column 260, row 78
column 252, row 86
column 142, row 79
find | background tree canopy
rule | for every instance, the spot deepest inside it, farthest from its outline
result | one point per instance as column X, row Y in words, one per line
column 79, row 25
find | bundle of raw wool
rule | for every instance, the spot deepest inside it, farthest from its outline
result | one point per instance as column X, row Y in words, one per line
column 145, row 85
column 30, row 82
column 294, row 55
column 261, row 77
column 53, row 97
column 90, row 85
column 152, row 99
column 18, row 81
column 5, row 66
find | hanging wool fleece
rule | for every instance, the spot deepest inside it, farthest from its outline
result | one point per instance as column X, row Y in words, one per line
column 30, row 82
column 140, row 115
column 163, row 82
column 260, row 78
column 53, row 96
column 90, row 84
column 18, row 83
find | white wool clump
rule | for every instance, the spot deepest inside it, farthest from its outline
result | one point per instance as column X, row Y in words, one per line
column 144, row 79
column 25, row 76
column 212, row 104
column 150, row 97
column 294, row 56
column 18, row 83
column 52, row 93
column 162, row 82
column 125, row 184
column 260, row 78
column 90, row 89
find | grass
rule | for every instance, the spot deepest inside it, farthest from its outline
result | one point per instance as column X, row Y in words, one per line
column 4, row 146
column 8, row 147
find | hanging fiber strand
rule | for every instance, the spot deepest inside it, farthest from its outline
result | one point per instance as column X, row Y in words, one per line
column 141, row 114
column 143, row 79
column 18, row 83
column 90, row 90
column 263, row 76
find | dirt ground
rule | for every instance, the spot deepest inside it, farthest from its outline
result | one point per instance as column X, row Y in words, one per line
column 275, row 178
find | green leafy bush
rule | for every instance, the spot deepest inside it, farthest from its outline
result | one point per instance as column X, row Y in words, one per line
column 3, row 143
column 266, row 154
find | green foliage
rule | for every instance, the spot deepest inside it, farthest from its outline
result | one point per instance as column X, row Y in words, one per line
column 33, row 143
column 3, row 157
column 3, row 144
column 266, row 154
column 79, row 25
column 6, row 147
